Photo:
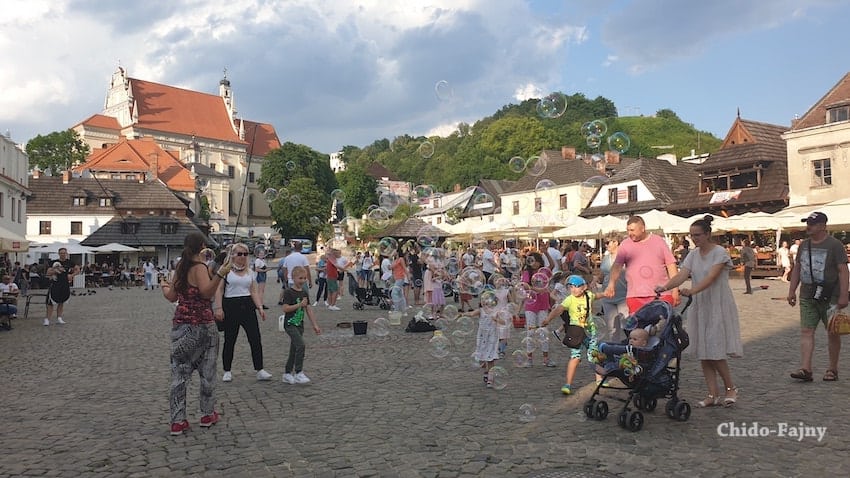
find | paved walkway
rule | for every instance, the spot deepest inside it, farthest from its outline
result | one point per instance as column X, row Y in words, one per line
column 90, row 399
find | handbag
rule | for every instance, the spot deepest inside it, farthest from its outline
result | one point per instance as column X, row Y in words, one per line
column 839, row 323
column 574, row 335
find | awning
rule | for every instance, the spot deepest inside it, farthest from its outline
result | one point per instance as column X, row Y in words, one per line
column 11, row 242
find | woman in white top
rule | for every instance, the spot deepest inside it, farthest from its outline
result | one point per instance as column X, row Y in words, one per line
column 261, row 269
column 237, row 302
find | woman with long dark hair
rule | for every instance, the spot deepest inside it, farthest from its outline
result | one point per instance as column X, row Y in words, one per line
column 194, row 335
column 536, row 304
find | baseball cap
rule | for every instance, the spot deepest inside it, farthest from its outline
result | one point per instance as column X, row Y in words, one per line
column 815, row 217
column 576, row 281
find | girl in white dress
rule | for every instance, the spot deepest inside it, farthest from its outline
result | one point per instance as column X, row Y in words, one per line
column 712, row 320
column 487, row 340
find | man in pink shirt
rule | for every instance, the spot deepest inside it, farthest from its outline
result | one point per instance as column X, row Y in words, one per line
column 648, row 262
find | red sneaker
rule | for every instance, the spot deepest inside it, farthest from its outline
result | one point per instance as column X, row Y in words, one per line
column 179, row 428
column 209, row 420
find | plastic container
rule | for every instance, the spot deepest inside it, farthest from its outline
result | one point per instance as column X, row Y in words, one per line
column 360, row 327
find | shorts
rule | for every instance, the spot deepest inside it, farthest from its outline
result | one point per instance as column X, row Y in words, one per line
column 535, row 319
column 812, row 312
column 588, row 344
column 636, row 303
column 261, row 277
column 363, row 275
column 333, row 285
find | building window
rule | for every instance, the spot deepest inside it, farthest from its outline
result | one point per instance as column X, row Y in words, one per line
column 115, row 176
column 1, row 205
column 130, row 177
column 79, row 201
column 439, row 220
column 435, row 202
column 105, row 202
column 13, row 209
column 538, row 205
column 129, row 227
column 515, row 208
column 250, row 204
column 44, row 228
column 230, row 203
column 251, row 177
column 20, row 211
column 563, row 201
column 231, row 172
column 168, row 228
column 633, row 194
column 821, row 173
column 841, row 113
column 212, row 166
column 76, row 228
column 612, row 195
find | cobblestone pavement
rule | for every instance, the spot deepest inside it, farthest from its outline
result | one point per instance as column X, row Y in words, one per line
column 90, row 399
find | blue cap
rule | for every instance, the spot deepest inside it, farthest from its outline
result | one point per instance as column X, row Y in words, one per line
column 576, row 281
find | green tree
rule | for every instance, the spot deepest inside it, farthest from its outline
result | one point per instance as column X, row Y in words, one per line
column 360, row 190
column 302, row 211
column 667, row 114
column 291, row 161
column 204, row 213
column 58, row 151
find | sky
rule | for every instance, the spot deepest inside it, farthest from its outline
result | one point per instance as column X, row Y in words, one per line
column 331, row 73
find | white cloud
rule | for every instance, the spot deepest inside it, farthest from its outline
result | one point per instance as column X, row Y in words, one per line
column 610, row 60
column 528, row 91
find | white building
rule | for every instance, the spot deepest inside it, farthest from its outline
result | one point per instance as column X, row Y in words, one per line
column 14, row 191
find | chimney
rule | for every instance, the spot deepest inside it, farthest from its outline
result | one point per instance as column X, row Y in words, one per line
column 36, row 173
column 568, row 152
column 612, row 157
column 153, row 163
column 66, row 177
column 456, row 188
column 141, row 178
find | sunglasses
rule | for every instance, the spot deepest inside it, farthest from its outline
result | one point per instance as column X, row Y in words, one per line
column 242, row 254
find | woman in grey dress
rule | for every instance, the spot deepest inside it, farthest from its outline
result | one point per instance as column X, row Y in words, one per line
column 712, row 321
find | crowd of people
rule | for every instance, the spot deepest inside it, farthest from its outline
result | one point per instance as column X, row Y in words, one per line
column 500, row 285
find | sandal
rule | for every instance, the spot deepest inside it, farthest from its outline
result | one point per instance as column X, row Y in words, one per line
column 711, row 401
column 830, row 375
column 730, row 401
column 803, row 374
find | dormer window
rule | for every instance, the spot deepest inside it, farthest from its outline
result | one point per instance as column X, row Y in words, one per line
column 129, row 227
column 79, row 201
column 105, row 202
column 838, row 113
column 168, row 228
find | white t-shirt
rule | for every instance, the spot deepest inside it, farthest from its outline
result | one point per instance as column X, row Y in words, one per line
column 468, row 259
column 149, row 268
column 488, row 261
column 259, row 265
column 386, row 269
column 555, row 254
column 238, row 285
column 293, row 260
column 9, row 288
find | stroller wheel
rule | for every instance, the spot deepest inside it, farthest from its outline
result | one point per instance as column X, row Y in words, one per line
column 357, row 306
column 682, row 411
column 638, row 401
column 670, row 408
column 600, row 410
column 384, row 306
column 650, row 404
column 589, row 408
column 623, row 418
column 635, row 421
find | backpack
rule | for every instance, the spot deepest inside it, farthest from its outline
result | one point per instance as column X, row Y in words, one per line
column 574, row 335
column 419, row 326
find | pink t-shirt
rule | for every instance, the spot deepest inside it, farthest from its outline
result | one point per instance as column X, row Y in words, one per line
column 541, row 302
column 645, row 263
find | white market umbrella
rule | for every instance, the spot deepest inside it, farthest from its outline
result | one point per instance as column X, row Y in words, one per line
column 113, row 247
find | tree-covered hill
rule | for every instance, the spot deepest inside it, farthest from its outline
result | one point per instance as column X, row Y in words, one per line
column 482, row 150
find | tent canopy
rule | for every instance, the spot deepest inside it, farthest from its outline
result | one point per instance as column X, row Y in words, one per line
column 114, row 247
column 73, row 247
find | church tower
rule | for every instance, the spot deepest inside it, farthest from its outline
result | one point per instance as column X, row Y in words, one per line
column 226, row 94
column 119, row 99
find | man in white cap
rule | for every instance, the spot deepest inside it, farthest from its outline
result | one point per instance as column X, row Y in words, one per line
column 821, row 268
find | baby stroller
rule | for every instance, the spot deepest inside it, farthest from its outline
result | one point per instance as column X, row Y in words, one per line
column 373, row 296
column 649, row 373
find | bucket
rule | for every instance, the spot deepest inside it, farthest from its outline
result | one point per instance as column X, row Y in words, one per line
column 395, row 317
column 519, row 321
column 360, row 327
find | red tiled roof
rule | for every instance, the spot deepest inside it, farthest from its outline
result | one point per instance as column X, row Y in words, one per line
column 101, row 121
column 262, row 135
column 176, row 110
column 816, row 116
column 135, row 155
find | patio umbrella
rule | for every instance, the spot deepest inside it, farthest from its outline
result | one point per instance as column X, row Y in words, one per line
column 114, row 247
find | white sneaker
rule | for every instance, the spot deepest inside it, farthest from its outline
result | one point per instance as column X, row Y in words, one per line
column 263, row 375
column 46, row 322
column 326, row 304
column 227, row 377
column 301, row 378
column 59, row 320
column 289, row 378
column 333, row 307
column 314, row 304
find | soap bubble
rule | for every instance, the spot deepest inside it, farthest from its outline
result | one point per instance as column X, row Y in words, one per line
column 544, row 185
column 540, row 280
column 596, row 181
column 471, row 281
column 444, row 90
column 448, row 289
column 619, row 142
column 459, row 337
column 516, row 164
column 527, row 413
column 201, row 184
column 387, row 246
column 500, row 377
column 552, row 106
column 596, row 158
column 207, row 254
column 598, row 128
column 450, row 312
column 397, row 293
column 379, row 216
column 593, row 141
column 290, row 165
column 381, row 327
column 585, row 129
column 483, row 203
column 441, row 324
column 519, row 358
column 536, row 165
column 425, row 238
column 422, row 193
column 283, row 193
column 439, row 345
column 338, row 195
column 315, row 221
column 465, row 325
column 488, row 299
column 294, row 200
column 270, row 194
column 260, row 251
column 426, row 149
